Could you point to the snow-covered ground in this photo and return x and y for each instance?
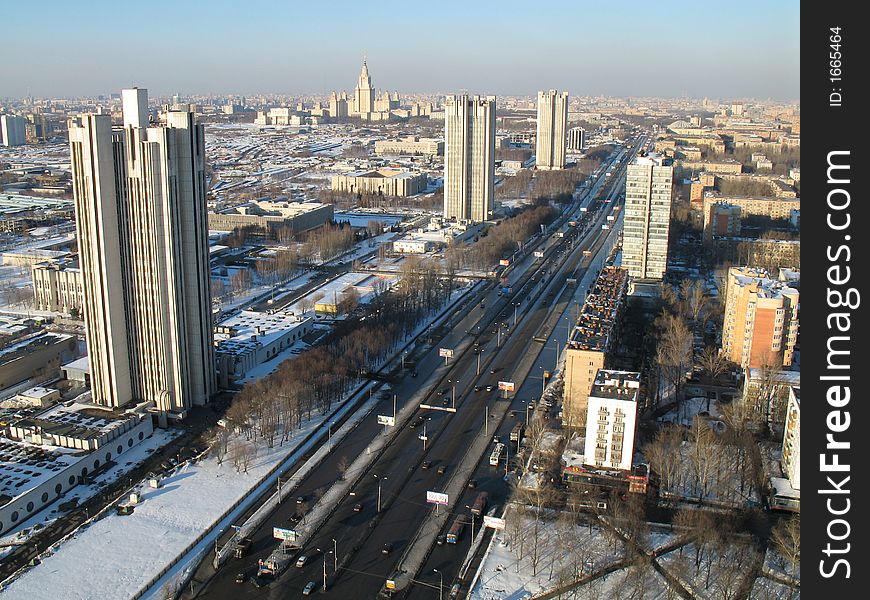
(115, 556)
(129, 460)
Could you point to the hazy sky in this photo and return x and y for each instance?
(738, 49)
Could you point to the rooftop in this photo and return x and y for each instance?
(616, 385)
(598, 315)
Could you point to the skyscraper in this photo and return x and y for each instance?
(364, 94)
(469, 161)
(552, 123)
(13, 129)
(143, 243)
(648, 186)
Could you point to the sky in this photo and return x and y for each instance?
(739, 49)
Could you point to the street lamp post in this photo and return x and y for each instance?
(335, 547)
(478, 352)
(380, 479)
(440, 584)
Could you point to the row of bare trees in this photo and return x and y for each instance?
(501, 240)
(270, 409)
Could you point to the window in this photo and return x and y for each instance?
(14, 516)
(130, 443)
(57, 490)
(141, 436)
(29, 506)
(45, 496)
(72, 479)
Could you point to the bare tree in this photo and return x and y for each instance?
(786, 538)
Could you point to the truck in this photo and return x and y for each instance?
(275, 563)
(480, 503)
(456, 530)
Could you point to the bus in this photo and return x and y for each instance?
(479, 503)
(517, 432)
(456, 530)
(496, 454)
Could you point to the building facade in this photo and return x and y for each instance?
(469, 162)
(268, 216)
(761, 319)
(592, 340)
(410, 146)
(791, 440)
(648, 192)
(385, 182)
(14, 130)
(552, 123)
(143, 252)
(576, 139)
(57, 287)
(611, 419)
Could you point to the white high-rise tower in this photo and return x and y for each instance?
(552, 123)
(648, 187)
(469, 157)
(143, 241)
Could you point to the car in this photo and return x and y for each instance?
(426, 464)
(388, 547)
(241, 577)
(495, 439)
(472, 483)
(512, 413)
(309, 588)
(490, 387)
(492, 371)
(297, 516)
(443, 391)
(357, 507)
(442, 469)
(441, 539)
(258, 582)
(300, 499)
(445, 402)
(477, 388)
(304, 560)
(416, 422)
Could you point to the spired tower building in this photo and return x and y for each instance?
(143, 243)
(364, 94)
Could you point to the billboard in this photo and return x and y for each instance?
(288, 535)
(445, 352)
(506, 386)
(386, 420)
(493, 522)
(437, 498)
(504, 262)
(539, 254)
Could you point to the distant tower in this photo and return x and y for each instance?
(143, 248)
(13, 128)
(552, 123)
(469, 161)
(648, 187)
(364, 94)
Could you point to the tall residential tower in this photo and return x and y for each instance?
(552, 123)
(469, 161)
(648, 186)
(143, 242)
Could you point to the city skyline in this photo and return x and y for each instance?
(238, 54)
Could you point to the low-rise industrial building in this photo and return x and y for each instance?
(382, 182)
(55, 450)
(37, 356)
(413, 146)
(250, 338)
(272, 216)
